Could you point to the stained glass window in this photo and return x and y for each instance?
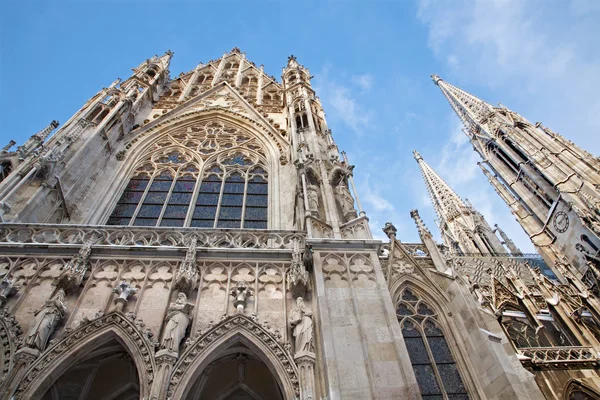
(431, 358)
(171, 188)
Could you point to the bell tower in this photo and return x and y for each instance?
(327, 194)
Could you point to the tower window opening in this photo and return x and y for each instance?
(5, 170)
(586, 240)
(304, 120)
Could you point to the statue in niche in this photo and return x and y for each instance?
(177, 322)
(345, 200)
(45, 321)
(241, 292)
(313, 198)
(301, 323)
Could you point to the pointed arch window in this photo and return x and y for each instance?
(432, 361)
(169, 190)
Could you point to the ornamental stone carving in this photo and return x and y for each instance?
(45, 321)
(345, 201)
(313, 199)
(241, 292)
(74, 271)
(302, 326)
(186, 279)
(7, 289)
(124, 290)
(178, 319)
(298, 278)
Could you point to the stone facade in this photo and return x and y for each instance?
(201, 237)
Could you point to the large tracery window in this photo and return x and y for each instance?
(173, 187)
(430, 356)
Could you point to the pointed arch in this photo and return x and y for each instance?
(91, 334)
(575, 387)
(234, 329)
(10, 333)
(145, 202)
(438, 359)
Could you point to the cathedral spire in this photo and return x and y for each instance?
(470, 109)
(545, 179)
(463, 229)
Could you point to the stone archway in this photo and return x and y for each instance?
(238, 374)
(241, 337)
(115, 333)
(106, 372)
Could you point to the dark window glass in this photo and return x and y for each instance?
(146, 221)
(254, 214)
(202, 223)
(232, 199)
(234, 213)
(208, 199)
(149, 211)
(256, 200)
(160, 185)
(426, 379)
(155, 197)
(131, 197)
(124, 210)
(451, 378)
(180, 198)
(172, 222)
(255, 224)
(137, 184)
(175, 212)
(416, 350)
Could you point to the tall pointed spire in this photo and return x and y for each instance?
(539, 174)
(463, 229)
(470, 109)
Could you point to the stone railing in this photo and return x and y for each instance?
(558, 357)
(418, 250)
(47, 234)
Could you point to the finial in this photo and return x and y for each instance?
(389, 229)
(291, 58)
(236, 50)
(417, 155)
(436, 79)
(169, 52)
(423, 231)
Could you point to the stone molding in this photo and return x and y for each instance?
(55, 234)
(90, 332)
(10, 340)
(207, 342)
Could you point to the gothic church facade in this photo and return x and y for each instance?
(201, 237)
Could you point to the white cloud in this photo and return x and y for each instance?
(365, 81)
(341, 102)
(538, 54)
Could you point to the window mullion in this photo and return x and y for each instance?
(139, 206)
(244, 200)
(220, 198)
(192, 207)
(433, 363)
(166, 203)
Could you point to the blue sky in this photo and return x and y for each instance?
(371, 63)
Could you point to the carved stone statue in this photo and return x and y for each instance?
(45, 321)
(177, 322)
(313, 198)
(301, 322)
(345, 201)
(241, 292)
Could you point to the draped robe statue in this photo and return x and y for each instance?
(313, 197)
(45, 321)
(177, 323)
(345, 200)
(301, 322)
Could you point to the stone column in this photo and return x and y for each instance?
(305, 361)
(165, 360)
(24, 357)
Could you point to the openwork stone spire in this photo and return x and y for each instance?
(447, 204)
(463, 228)
(470, 109)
